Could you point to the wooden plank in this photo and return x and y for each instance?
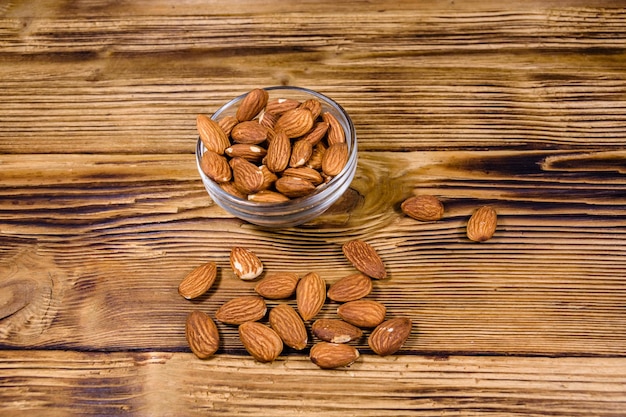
(156, 383)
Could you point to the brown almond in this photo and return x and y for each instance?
(252, 153)
(261, 341)
(295, 122)
(215, 166)
(350, 288)
(202, 334)
(198, 281)
(316, 134)
(227, 123)
(482, 224)
(247, 177)
(211, 134)
(294, 187)
(233, 190)
(306, 173)
(249, 132)
(315, 161)
(310, 295)
(300, 153)
(241, 309)
(286, 321)
(268, 120)
(335, 158)
(268, 196)
(335, 133)
(245, 263)
(313, 105)
(335, 331)
(278, 285)
(423, 208)
(269, 177)
(278, 153)
(278, 106)
(388, 337)
(252, 104)
(333, 355)
(362, 313)
(365, 258)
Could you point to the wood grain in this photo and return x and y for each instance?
(518, 105)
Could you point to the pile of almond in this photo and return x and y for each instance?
(275, 150)
(289, 321)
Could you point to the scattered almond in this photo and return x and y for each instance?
(245, 264)
(289, 326)
(364, 258)
(482, 224)
(310, 295)
(423, 207)
(242, 309)
(350, 288)
(362, 313)
(333, 355)
(277, 286)
(198, 281)
(261, 341)
(388, 337)
(335, 331)
(202, 334)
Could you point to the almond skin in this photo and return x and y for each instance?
(286, 321)
(388, 337)
(202, 334)
(424, 208)
(276, 286)
(333, 355)
(198, 281)
(245, 264)
(482, 225)
(335, 158)
(350, 288)
(262, 342)
(242, 309)
(362, 313)
(335, 331)
(211, 134)
(364, 258)
(310, 295)
(215, 166)
(252, 104)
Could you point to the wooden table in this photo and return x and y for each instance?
(517, 105)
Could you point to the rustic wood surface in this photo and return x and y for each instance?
(519, 105)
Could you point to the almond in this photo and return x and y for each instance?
(335, 158)
(306, 173)
(252, 104)
(241, 309)
(365, 258)
(262, 342)
(198, 281)
(268, 120)
(202, 334)
(388, 337)
(249, 132)
(233, 190)
(333, 355)
(245, 264)
(280, 105)
(252, 153)
(300, 153)
(278, 153)
(278, 285)
(215, 166)
(350, 288)
(482, 225)
(289, 326)
(362, 313)
(313, 105)
(267, 196)
(423, 207)
(247, 177)
(295, 122)
(294, 187)
(335, 133)
(211, 134)
(315, 161)
(227, 123)
(335, 331)
(310, 295)
(316, 134)
(269, 178)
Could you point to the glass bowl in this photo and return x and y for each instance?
(298, 210)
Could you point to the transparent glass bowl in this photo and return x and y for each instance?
(296, 211)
